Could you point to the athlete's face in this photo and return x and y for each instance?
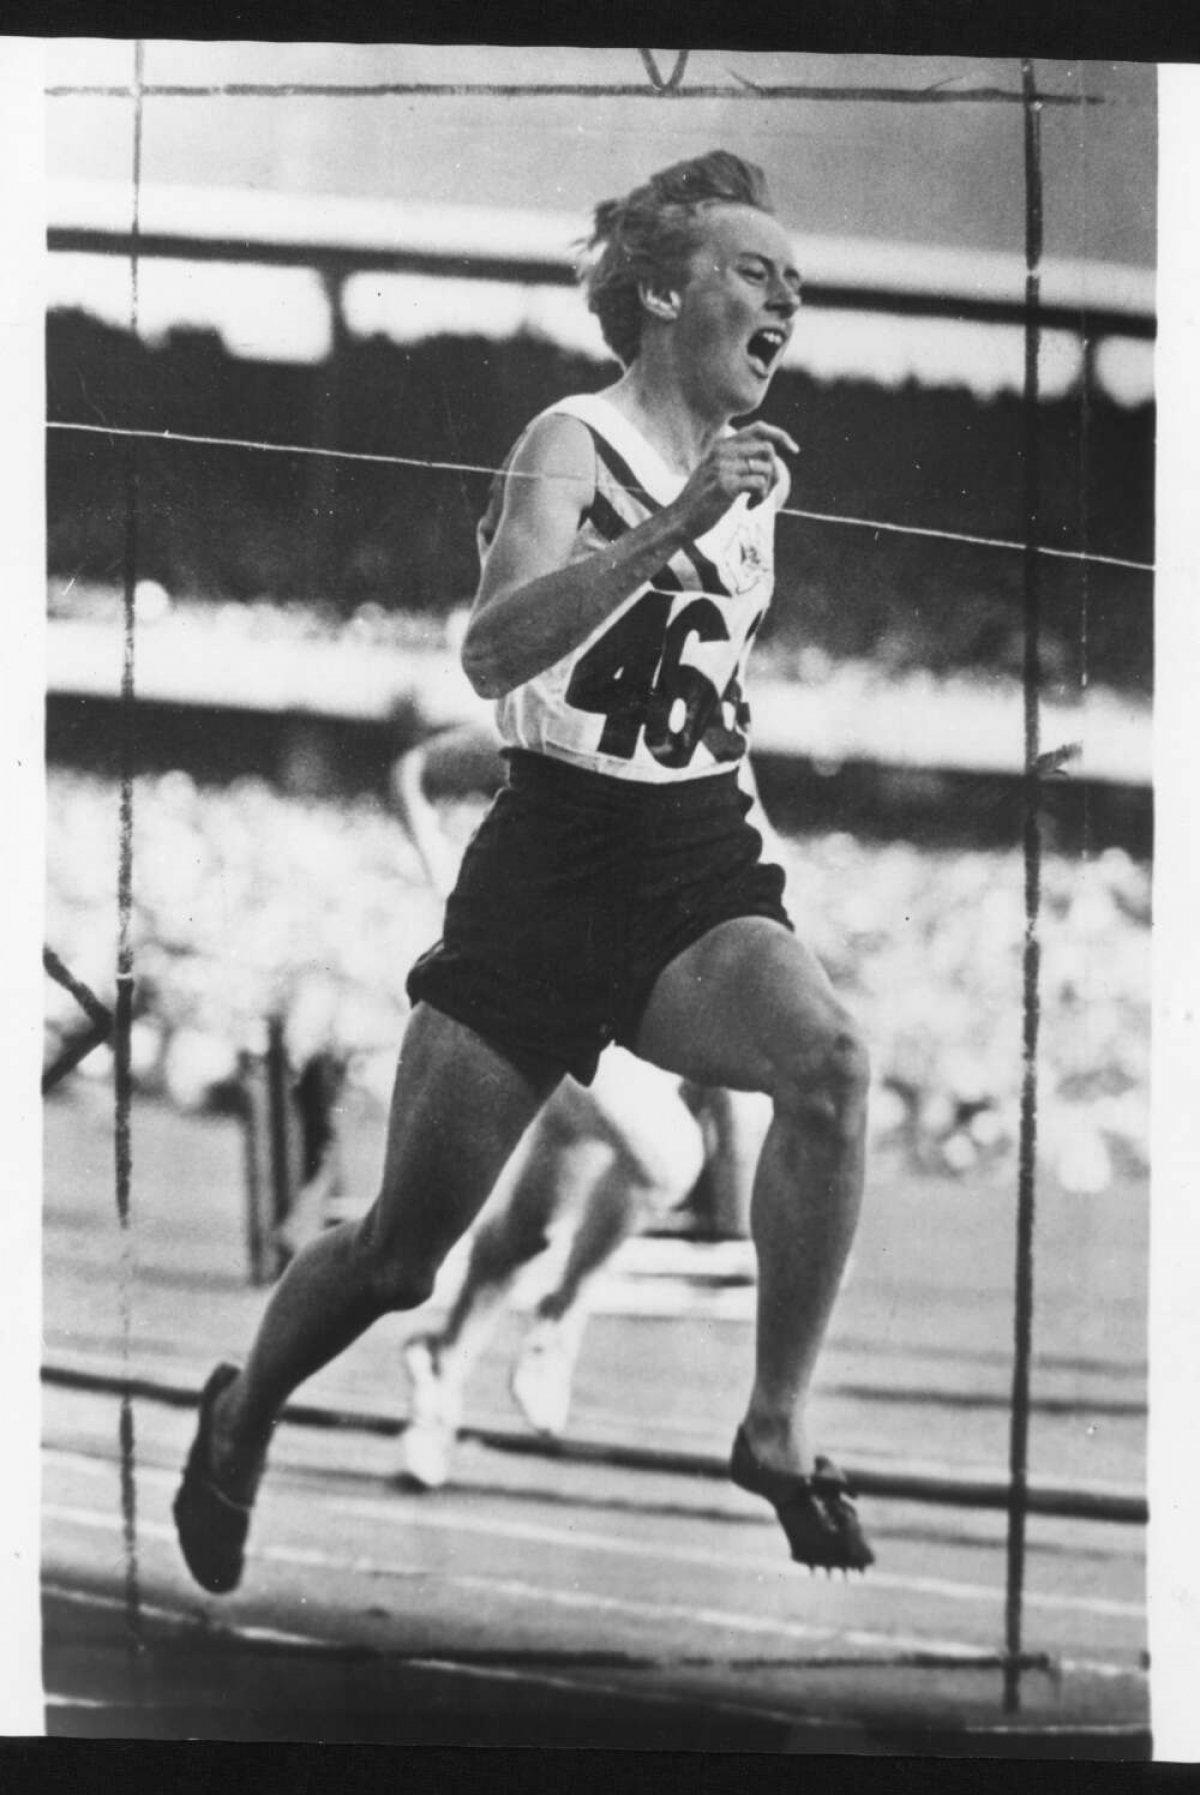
(736, 308)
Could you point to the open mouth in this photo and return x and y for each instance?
(765, 348)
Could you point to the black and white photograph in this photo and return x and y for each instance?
(599, 804)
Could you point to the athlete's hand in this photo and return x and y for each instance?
(744, 462)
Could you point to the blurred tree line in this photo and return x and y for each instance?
(239, 524)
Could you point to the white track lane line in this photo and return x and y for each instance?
(533, 1595)
(387, 1509)
(89, 1598)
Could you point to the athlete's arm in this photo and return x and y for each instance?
(532, 607)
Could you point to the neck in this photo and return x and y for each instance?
(653, 398)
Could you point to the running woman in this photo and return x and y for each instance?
(599, 1163)
(616, 890)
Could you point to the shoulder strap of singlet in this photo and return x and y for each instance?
(587, 408)
(626, 454)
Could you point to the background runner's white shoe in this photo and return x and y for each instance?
(544, 1371)
(427, 1443)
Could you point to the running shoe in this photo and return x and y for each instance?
(816, 1513)
(211, 1525)
(434, 1414)
(544, 1372)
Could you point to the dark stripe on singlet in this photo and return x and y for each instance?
(607, 521)
(624, 475)
(604, 516)
(710, 579)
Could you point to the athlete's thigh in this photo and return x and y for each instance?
(458, 1110)
(739, 1006)
(638, 1109)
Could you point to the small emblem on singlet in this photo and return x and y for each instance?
(746, 563)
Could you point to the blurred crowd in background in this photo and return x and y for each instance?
(249, 903)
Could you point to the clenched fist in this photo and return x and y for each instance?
(744, 462)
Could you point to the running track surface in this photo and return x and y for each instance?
(550, 1600)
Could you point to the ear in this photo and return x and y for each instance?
(660, 302)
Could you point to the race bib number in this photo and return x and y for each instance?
(635, 677)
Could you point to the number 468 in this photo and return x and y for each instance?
(634, 676)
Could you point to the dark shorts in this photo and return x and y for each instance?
(576, 891)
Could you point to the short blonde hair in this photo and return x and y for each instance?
(648, 236)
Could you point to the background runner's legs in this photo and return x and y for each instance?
(597, 1163)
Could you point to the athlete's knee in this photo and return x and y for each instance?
(823, 1080)
(397, 1276)
(401, 1284)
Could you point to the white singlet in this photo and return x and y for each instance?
(655, 692)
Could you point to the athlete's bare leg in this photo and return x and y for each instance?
(748, 1006)
(734, 1126)
(306, 1216)
(556, 1177)
(617, 1206)
(656, 1152)
(458, 1110)
(607, 1158)
(552, 1171)
(653, 1152)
